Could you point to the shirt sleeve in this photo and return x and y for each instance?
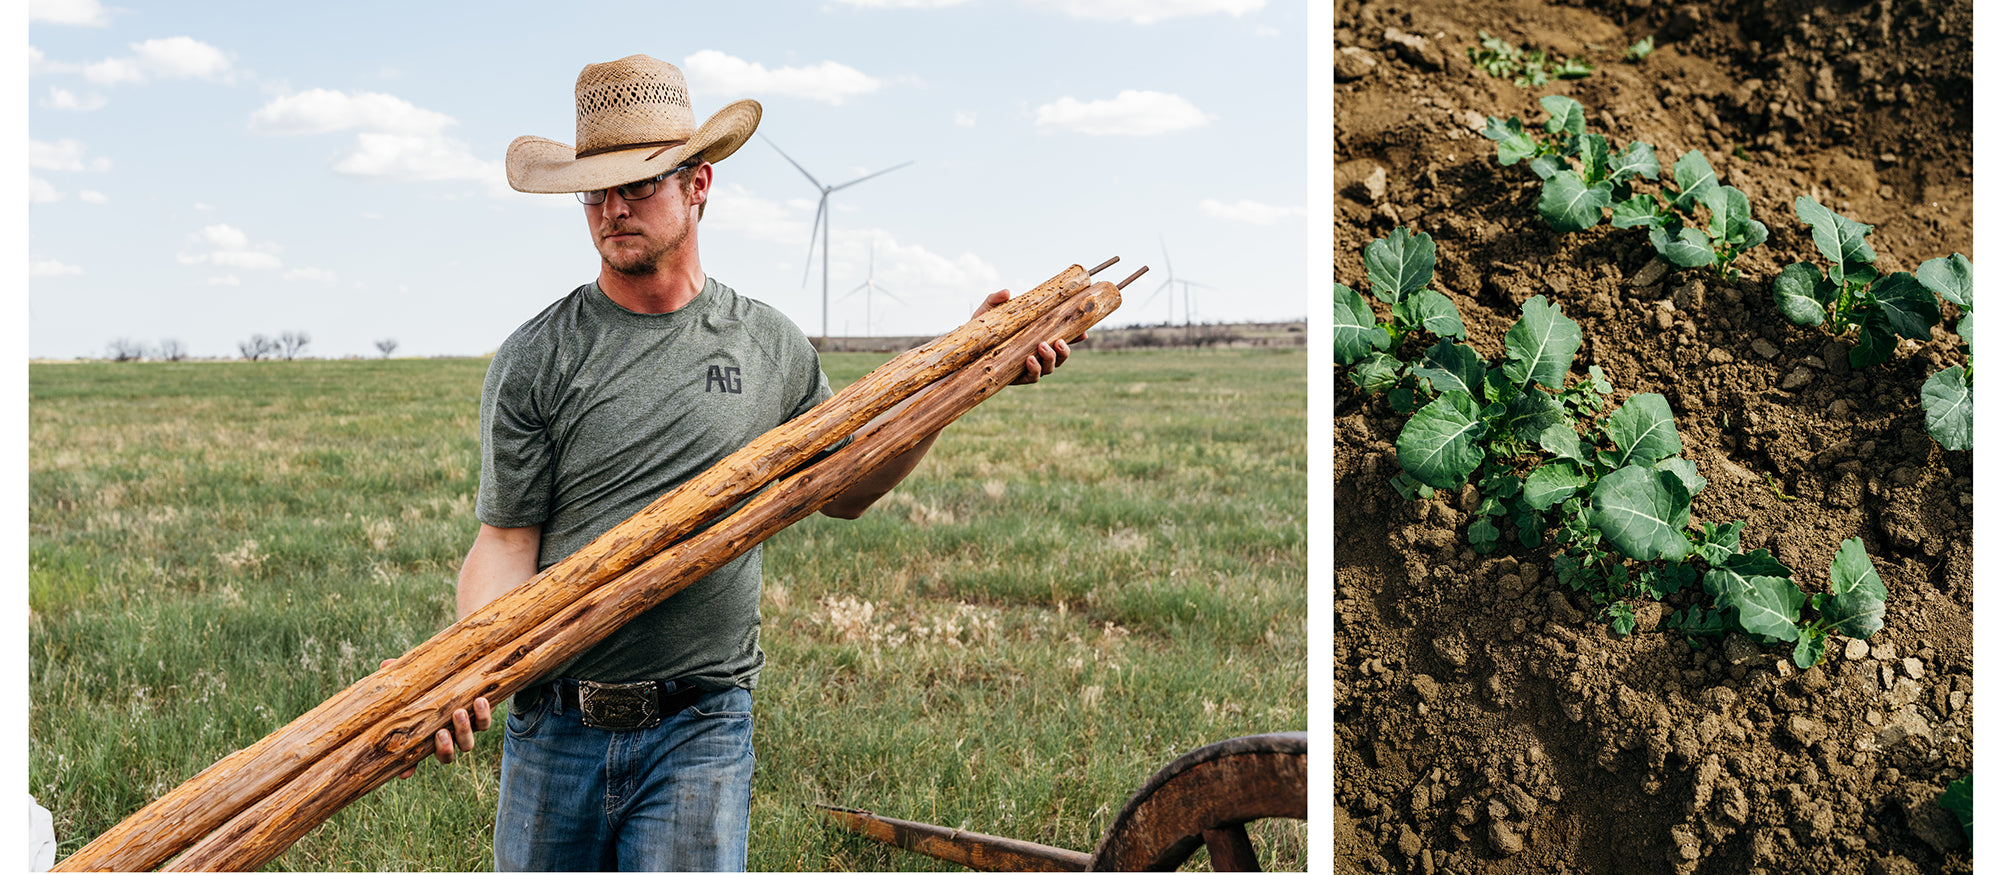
(516, 446)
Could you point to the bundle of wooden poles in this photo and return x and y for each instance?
(253, 804)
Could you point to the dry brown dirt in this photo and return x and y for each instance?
(1486, 722)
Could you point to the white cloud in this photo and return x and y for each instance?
(83, 12)
(398, 156)
(63, 155)
(223, 237)
(312, 274)
(1147, 11)
(712, 72)
(41, 191)
(1132, 113)
(177, 57)
(61, 98)
(180, 57)
(965, 119)
(92, 197)
(53, 268)
(228, 246)
(394, 139)
(112, 71)
(320, 111)
(735, 209)
(1250, 211)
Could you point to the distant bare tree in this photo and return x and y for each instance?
(387, 345)
(291, 343)
(173, 350)
(126, 350)
(257, 347)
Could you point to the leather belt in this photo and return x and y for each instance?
(638, 705)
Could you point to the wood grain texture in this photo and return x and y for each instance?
(256, 802)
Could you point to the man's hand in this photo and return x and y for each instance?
(1046, 358)
(459, 737)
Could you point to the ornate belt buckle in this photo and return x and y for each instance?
(619, 706)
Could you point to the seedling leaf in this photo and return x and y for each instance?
(1355, 333)
(1641, 512)
(1565, 115)
(1839, 238)
(1452, 366)
(1858, 601)
(1637, 211)
(1907, 307)
(1684, 469)
(1570, 204)
(1718, 543)
(1595, 154)
(1802, 293)
(1689, 248)
(1643, 429)
(1947, 398)
(1694, 177)
(1957, 799)
(1533, 414)
(1541, 344)
(1761, 591)
(1439, 446)
(1512, 137)
(1377, 372)
(1551, 483)
(1400, 264)
(1431, 310)
(1950, 277)
(1636, 159)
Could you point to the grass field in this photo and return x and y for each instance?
(1087, 578)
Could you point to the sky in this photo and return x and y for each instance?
(201, 173)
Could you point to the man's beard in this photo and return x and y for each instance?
(645, 262)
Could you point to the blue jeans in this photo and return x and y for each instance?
(673, 798)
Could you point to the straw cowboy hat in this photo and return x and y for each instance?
(633, 121)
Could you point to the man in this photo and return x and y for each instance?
(637, 754)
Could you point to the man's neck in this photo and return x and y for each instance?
(664, 291)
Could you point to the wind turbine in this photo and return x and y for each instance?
(1187, 294)
(869, 284)
(823, 224)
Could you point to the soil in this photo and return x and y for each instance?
(1486, 720)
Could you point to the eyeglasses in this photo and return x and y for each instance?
(632, 191)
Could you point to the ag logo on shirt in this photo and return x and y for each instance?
(725, 379)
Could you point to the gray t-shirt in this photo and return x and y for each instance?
(592, 411)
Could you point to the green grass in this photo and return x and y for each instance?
(1087, 578)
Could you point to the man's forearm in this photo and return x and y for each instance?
(877, 483)
(500, 559)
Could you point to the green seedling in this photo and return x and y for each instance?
(1501, 60)
(1582, 178)
(1947, 395)
(1640, 50)
(1400, 269)
(1850, 297)
(1957, 799)
(1607, 490)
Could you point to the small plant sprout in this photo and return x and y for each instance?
(1640, 49)
(1501, 60)
(1957, 799)
(1606, 488)
(1577, 193)
(1850, 296)
(1400, 269)
(1947, 395)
